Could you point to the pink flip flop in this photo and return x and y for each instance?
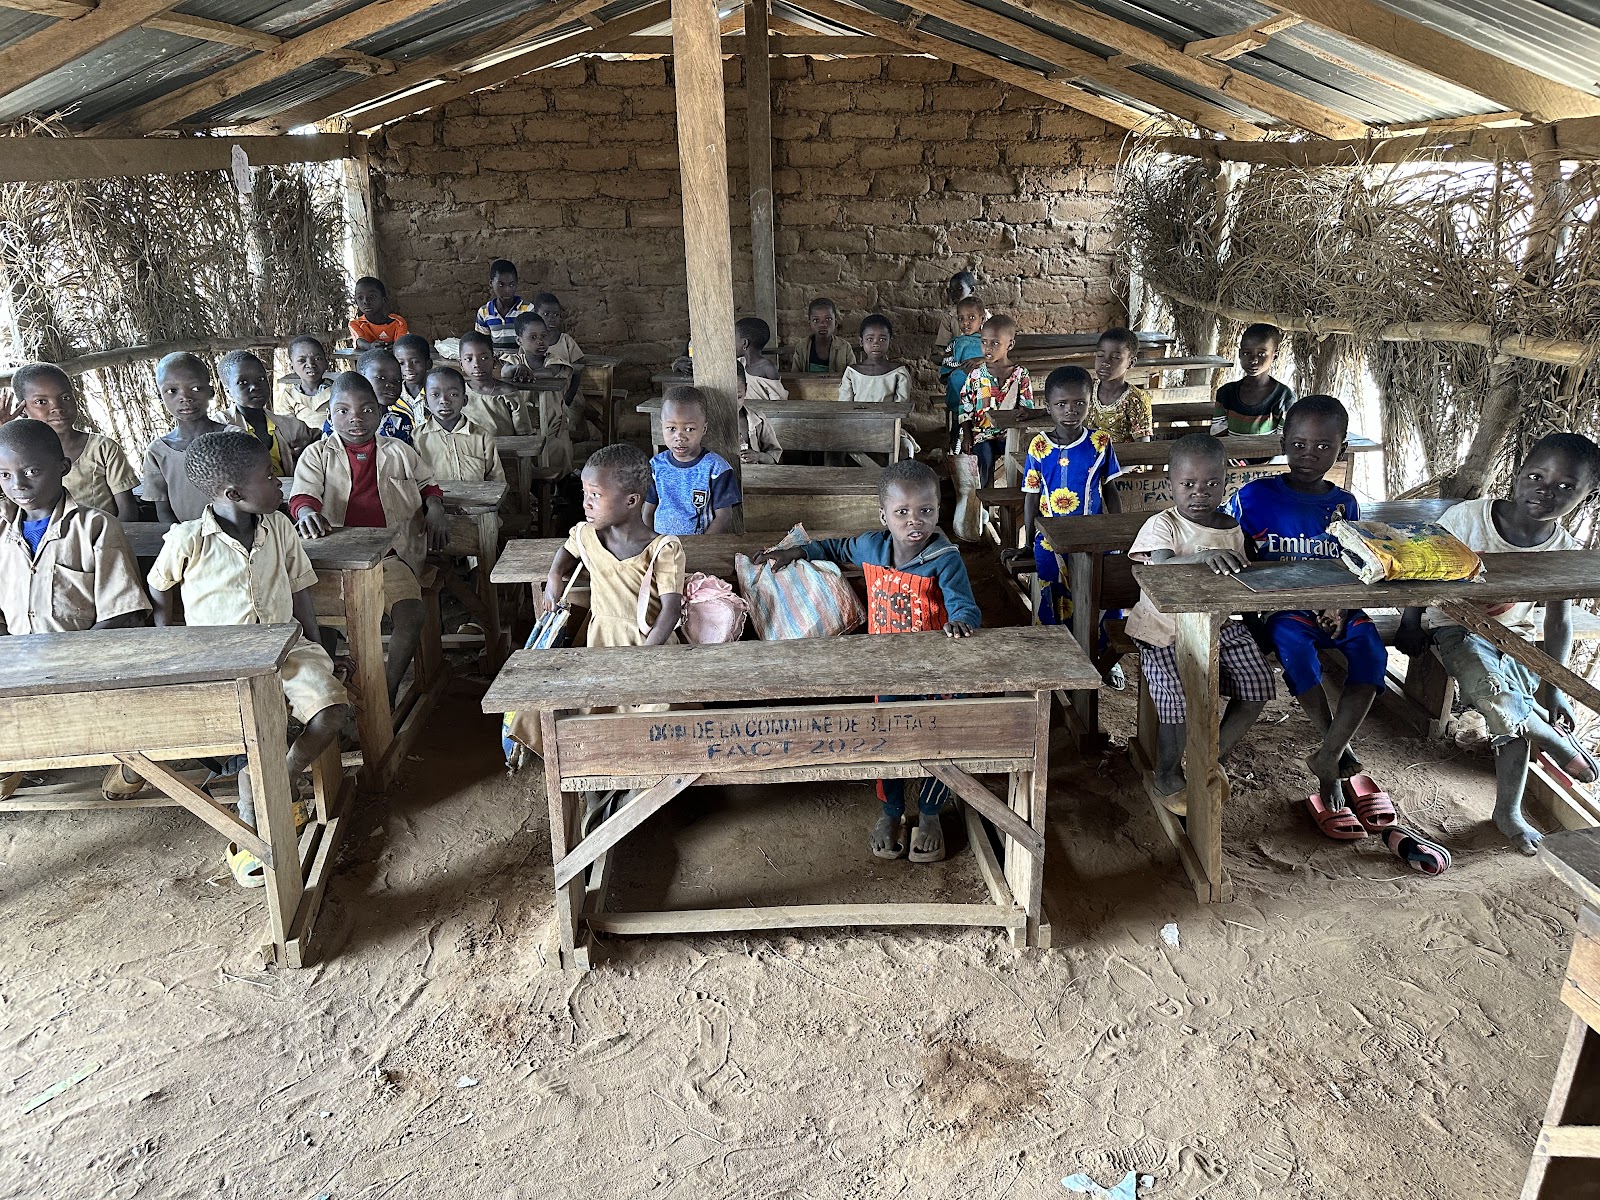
(1373, 806)
(1340, 824)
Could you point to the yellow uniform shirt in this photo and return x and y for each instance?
(99, 473)
(83, 573)
(310, 410)
(466, 452)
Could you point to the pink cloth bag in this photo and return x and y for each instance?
(712, 611)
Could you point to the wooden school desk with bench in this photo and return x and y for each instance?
(819, 425)
(799, 711)
(146, 698)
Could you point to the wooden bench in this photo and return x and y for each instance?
(148, 698)
(822, 425)
(777, 497)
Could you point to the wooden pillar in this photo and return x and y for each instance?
(758, 129)
(356, 176)
(707, 241)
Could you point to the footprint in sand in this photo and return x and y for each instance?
(1197, 1173)
(1276, 1161)
(1113, 1042)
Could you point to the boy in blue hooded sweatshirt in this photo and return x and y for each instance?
(916, 582)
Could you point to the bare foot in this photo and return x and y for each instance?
(886, 841)
(1349, 764)
(927, 839)
(1524, 837)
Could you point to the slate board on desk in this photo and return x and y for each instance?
(1303, 576)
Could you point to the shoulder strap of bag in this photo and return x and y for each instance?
(1013, 389)
(649, 578)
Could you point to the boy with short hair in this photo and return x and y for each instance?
(245, 384)
(449, 441)
(497, 319)
(374, 325)
(916, 582)
(101, 476)
(994, 383)
(241, 563)
(692, 489)
(354, 477)
(1195, 530)
(962, 287)
(1285, 519)
(1121, 408)
(382, 370)
(563, 348)
(1523, 713)
(823, 353)
(185, 386)
(964, 351)
(305, 392)
(750, 338)
(1258, 403)
(492, 402)
(415, 357)
(534, 362)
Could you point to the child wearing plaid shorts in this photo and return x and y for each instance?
(1195, 530)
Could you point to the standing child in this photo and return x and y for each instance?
(750, 338)
(994, 383)
(875, 379)
(692, 489)
(245, 384)
(186, 390)
(1258, 403)
(563, 347)
(491, 401)
(964, 352)
(757, 442)
(1286, 519)
(1121, 408)
(449, 441)
(916, 581)
(241, 563)
(374, 325)
(1195, 530)
(823, 353)
(305, 392)
(353, 477)
(960, 289)
(497, 320)
(101, 476)
(1523, 713)
(1067, 474)
(415, 357)
(382, 370)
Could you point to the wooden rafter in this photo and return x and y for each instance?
(171, 109)
(1136, 46)
(59, 44)
(780, 44)
(1378, 28)
(1076, 63)
(1572, 139)
(445, 65)
(518, 64)
(1246, 41)
(1109, 111)
(42, 159)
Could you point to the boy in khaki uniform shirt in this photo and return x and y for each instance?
(241, 563)
(449, 441)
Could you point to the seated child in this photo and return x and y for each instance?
(245, 384)
(1068, 473)
(750, 338)
(692, 489)
(497, 320)
(964, 352)
(304, 393)
(374, 325)
(916, 581)
(1285, 519)
(186, 390)
(64, 567)
(451, 444)
(1121, 408)
(533, 363)
(994, 383)
(1195, 530)
(1258, 403)
(101, 476)
(563, 348)
(415, 357)
(492, 402)
(823, 353)
(381, 369)
(757, 442)
(353, 477)
(241, 563)
(962, 287)
(1523, 712)
(875, 379)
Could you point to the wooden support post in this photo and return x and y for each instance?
(758, 132)
(707, 240)
(356, 176)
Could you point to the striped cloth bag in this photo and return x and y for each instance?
(804, 600)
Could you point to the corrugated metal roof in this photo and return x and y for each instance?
(1559, 40)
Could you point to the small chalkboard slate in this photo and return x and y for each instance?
(1295, 576)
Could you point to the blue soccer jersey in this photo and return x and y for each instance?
(1286, 525)
(687, 495)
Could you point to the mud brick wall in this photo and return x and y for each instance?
(889, 173)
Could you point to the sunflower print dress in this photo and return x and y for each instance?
(1067, 481)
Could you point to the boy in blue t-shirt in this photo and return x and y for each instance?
(1285, 518)
(692, 489)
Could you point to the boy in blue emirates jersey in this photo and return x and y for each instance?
(1286, 518)
(692, 489)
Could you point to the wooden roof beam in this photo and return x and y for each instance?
(779, 44)
(51, 159)
(1135, 45)
(1076, 63)
(1109, 111)
(71, 38)
(1377, 28)
(1246, 41)
(1576, 138)
(322, 42)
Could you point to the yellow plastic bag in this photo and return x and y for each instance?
(1418, 550)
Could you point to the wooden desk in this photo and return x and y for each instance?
(796, 697)
(521, 454)
(1148, 339)
(1201, 601)
(775, 497)
(146, 698)
(1564, 1166)
(861, 428)
(474, 510)
(527, 560)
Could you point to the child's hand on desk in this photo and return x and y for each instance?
(438, 525)
(1011, 558)
(780, 558)
(958, 629)
(1331, 621)
(313, 525)
(1223, 561)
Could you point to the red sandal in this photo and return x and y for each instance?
(1340, 824)
(1373, 806)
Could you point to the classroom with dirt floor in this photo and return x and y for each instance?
(838, 599)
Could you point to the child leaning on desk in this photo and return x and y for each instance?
(241, 563)
(1522, 712)
(916, 582)
(1195, 530)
